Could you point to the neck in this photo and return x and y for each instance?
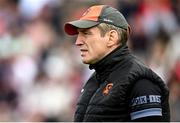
(108, 63)
(111, 49)
(114, 52)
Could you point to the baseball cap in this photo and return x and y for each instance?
(95, 15)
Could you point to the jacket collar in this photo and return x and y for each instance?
(106, 65)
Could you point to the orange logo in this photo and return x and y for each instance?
(107, 88)
(86, 12)
(92, 13)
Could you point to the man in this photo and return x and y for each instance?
(121, 88)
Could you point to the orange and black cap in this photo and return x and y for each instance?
(96, 15)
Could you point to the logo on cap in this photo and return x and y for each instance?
(86, 12)
(107, 20)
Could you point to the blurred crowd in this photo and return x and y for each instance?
(41, 73)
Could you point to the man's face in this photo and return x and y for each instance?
(92, 45)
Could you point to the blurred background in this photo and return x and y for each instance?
(41, 73)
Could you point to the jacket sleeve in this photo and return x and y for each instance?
(145, 101)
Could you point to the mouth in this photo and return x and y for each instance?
(83, 52)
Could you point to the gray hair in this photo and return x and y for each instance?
(122, 33)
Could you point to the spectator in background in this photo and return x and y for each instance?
(157, 55)
(148, 19)
(8, 93)
(174, 86)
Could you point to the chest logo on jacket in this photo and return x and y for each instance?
(107, 89)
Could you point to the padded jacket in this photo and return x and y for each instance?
(110, 94)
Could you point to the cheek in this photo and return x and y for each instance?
(98, 49)
(96, 46)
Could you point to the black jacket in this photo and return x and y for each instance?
(122, 89)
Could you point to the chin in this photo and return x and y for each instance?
(88, 61)
(85, 61)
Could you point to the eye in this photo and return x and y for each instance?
(86, 33)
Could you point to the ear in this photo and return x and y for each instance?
(113, 38)
(128, 31)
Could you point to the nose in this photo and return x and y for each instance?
(79, 40)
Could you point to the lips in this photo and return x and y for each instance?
(83, 52)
